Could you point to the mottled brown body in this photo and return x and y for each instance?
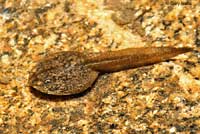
(67, 73)
(62, 73)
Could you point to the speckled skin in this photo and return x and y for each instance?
(62, 74)
(68, 73)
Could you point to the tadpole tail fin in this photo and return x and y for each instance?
(133, 57)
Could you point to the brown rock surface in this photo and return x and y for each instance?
(162, 98)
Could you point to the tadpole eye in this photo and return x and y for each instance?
(47, 81)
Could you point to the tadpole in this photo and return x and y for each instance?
(70, 72)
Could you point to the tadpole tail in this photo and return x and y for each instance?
(132, 58)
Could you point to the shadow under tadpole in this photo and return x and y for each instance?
(57, 98)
